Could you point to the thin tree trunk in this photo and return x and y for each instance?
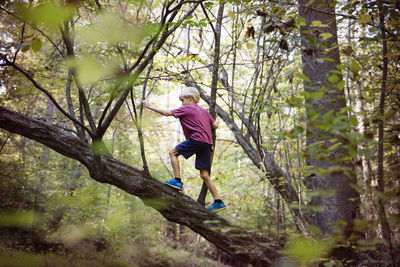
(40, 188)
(367, 195)
(217, 48)
(108, 195)
(381, 182)
(278, 216)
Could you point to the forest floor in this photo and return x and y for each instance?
(23, 248)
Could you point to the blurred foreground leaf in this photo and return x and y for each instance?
(109, 28)
(23, 219)
(88, 69)
(73, 234)
(307, 251)
(48, 13)
(36, 44)
(157, 203)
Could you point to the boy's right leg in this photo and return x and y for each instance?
(186, 149)
(176, 182)
(204, 174)
(218, 203)
(173, 155)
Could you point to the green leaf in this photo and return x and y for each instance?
(353, 120)
(298, 130)
(48, 13)
(295, 101)
(340, 85)
(333, 79)
(317, 208)
(301, 22)
(364, 18)
(157, 203)
(25, 48)
(354, 67)
(325, 35)
(306, 251)
(321, 193)
(302, 76)
(89, 69)
(250, 45)
(36, 44)
(231, 14)
(372, 29)
(328, 59)
(99, 148)
(334, 146)
(317, 95)
(109, 28)
(318, 23)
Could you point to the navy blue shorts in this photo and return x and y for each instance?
(201, 149)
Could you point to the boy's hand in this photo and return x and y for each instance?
(156, 109)
(216, 122)
(146, 103)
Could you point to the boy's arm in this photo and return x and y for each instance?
(161, 111)
(215, 123)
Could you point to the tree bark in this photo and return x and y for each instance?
(344, 204)
(240, 244)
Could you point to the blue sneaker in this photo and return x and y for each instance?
(174, 183)
(217, 206)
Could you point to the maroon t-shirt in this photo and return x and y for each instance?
(196, 122)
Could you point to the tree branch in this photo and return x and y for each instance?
(38, 86)
(82, 97)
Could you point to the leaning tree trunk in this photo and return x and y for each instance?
(331, 167)
(240, 244)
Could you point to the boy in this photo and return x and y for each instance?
(196, 123)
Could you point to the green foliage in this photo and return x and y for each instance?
(49, 13)
(89, 69)
(110, 29)
(306, 251)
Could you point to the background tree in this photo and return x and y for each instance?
(330, 148)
